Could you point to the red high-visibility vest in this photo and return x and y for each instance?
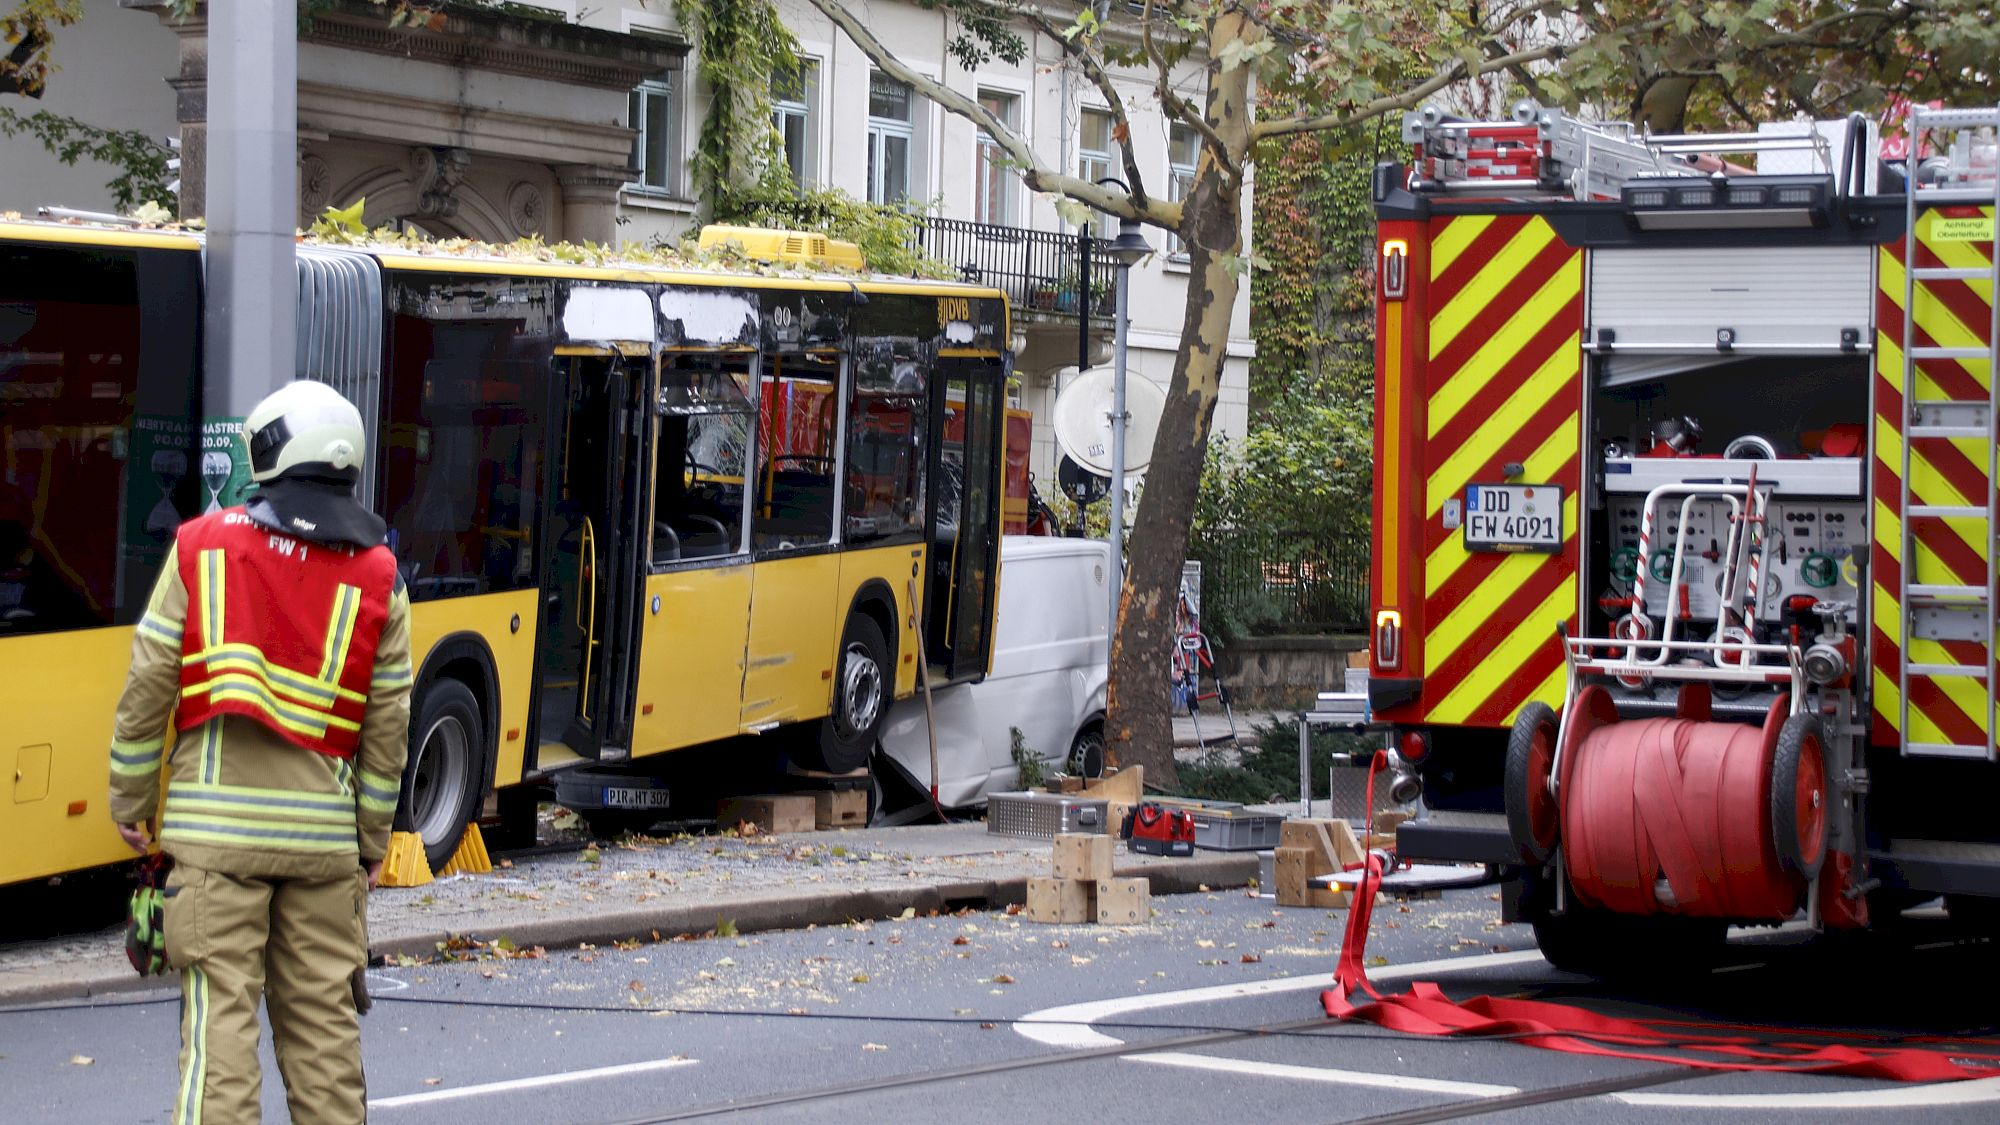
(280, 629)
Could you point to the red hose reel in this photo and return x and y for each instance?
(1682, 815)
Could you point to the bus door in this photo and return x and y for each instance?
(794, 508)
(697, 601)
(592, 574)
(968, 408)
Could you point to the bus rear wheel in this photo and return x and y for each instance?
(863, 687)
(441, 781)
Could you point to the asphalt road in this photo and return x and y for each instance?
(935, 1017)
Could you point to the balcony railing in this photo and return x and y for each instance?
(1041, 271)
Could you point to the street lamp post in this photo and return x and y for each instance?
(1125, 250)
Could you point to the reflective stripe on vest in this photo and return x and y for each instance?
(280, 630)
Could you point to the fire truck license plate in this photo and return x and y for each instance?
(1513, 517)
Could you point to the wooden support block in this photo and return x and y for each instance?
(1060, 901)
(840, 808)
(1127, 785)
(1067, 784)
(1333, 839)
(1082, 856)
(770, 812)
(1124, 902)
(1296, 868)
(1115, 813)
(1390, 820)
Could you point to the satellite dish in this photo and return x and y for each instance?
(1083, 420)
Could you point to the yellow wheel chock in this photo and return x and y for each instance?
(405, 865)
(471, 857)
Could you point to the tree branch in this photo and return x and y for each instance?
(1093, 67)
(1177, 105)
(1409, 98)
(1034, 172)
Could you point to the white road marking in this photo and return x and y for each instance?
(1257, 1069)
(1067, 1026)
(534, 1083)
(1937, 1095)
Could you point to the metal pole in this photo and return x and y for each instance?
(1083, 302)
(1118, 419)
(1305, 766)
(253, 201)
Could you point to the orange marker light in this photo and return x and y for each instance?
(77, 808)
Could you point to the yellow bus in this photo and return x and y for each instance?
(639, 510)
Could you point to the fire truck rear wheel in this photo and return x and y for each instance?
(1598, 943)
(442, 779)
(1531, 809)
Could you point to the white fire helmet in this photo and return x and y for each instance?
(304, 423)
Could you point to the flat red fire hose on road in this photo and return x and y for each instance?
(1426, 1010)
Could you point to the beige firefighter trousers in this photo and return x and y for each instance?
(294, 942)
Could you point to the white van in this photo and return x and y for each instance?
(1049, 670)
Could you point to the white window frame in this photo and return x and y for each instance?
(806, 111)
(666, 86)
(1176, 189)
(985, 150)
(880, 129)
(1093, 165)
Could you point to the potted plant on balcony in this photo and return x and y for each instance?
(1042, 295)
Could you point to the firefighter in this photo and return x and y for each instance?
(280, 630)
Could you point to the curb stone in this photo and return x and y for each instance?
(751, 914)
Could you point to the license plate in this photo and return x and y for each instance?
(1513, 517)
(618, 797)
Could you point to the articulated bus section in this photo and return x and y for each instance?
(638, 511)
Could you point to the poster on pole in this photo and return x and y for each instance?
(225, 463)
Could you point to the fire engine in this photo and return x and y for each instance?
(1684, 521)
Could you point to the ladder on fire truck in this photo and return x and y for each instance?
(1948, 610)
(1545, 152)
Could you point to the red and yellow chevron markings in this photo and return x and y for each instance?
(1947, 471)
(1504, 382)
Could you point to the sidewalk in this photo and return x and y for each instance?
(1214, 726)
(686, 885)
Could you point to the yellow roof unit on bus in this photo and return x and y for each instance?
(795, 246)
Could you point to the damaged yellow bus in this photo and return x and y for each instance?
(640, 509)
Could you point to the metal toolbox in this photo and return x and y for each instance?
(1226, 826)
(1043, 816)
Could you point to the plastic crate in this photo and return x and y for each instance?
(1043, 816)
(1225, 826)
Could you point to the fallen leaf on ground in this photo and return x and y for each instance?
(859, 978)
(908, 913)
(81, 1060)
(1003, 978)
(961, 940)
(432, 1081)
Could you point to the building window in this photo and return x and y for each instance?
(993, 181)
(1094, 160)
(792, 98)
(655, 119)
(892, 135)
(1183, 152)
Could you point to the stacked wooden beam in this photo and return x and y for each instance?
(1082, 888)
(1309, 849)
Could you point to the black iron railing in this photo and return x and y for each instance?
(1259, 581)
(1042, 271)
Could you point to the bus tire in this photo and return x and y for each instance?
(863, 687)
(443, 779)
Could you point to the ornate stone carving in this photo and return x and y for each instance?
(526, 208)
(315, 187)
(438, 173)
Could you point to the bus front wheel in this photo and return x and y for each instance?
(863, 686)
(441, 780)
